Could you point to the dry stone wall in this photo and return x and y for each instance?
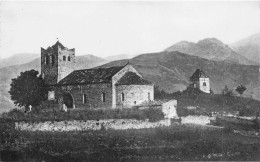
(114, 124)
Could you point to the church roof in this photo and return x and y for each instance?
(90, 76)
(198, 74)
(131, 78)
(58, 44)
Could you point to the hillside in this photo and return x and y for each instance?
(248, 47)
(17, 59)
(7, 73)
(171, 72)
(119, 57)
(212, 49)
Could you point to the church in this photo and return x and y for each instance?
(113, 87)
(200, 80)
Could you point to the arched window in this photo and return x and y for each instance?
(64, 58)
(84, 98)
(204, 84)
(122, 97)
(46, 60)
(52, 60)
(68, 58)
(103, 97)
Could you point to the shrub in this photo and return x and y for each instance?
(153, 114)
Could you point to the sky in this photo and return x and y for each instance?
(111, 28)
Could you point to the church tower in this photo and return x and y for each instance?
(200, 80)
(57, 62)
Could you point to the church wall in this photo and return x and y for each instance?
(65, 67)
(204, 88)
(49, 71)
(133, 94)
(116, 77)
(93, 95)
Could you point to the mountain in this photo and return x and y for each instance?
(248, 47)
(211, 49)
(17, 59)
(7, 73)
(119, 57)
(171, 72)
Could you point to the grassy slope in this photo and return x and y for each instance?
(214, 102)
(178, 142)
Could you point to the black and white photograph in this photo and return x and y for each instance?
(129, 81)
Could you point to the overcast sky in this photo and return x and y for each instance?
(111, 28)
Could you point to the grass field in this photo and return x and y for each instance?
(177, 142)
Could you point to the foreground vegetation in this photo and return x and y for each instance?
(41, 115)
(177, 142)
(211, 102)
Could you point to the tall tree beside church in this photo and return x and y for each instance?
(28, 89)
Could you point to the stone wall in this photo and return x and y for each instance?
(203, 88)
(133, 94)
(49, 71)
(201, 120)
(116, 77)
(115, 124)
(65, 67)
(93, 95)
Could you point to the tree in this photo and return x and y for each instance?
(28, 89)
(227, 92)
(241, 89)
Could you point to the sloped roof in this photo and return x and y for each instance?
(58, 44)
(131, 78)
(90, 76)
(198, 74)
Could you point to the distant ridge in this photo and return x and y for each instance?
(212, 49)
(248, 47)
(17, 59)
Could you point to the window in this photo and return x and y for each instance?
(64, 58)
(149, 96)
(52, 60)
(204, 84)
(46, 60)
(68, 58)
(103, 97)
(122, 97)
(84, 98)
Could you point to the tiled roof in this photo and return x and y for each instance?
(90, 76)
(198, 74)
(131, 78)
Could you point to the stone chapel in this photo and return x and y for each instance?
(200, 80)
(113, 87)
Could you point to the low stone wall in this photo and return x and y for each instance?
(116, 124)
(201, 120)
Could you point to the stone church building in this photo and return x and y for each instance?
(200, 80)
(113, 87)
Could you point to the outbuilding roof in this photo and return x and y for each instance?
(198, 74)
(91, 76)
(131, 78)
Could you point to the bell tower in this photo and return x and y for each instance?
(57, 62)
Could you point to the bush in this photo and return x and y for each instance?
(153, 114)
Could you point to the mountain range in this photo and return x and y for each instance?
(248, 47)
(169, 69)
(211, 49)
(18, 59)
